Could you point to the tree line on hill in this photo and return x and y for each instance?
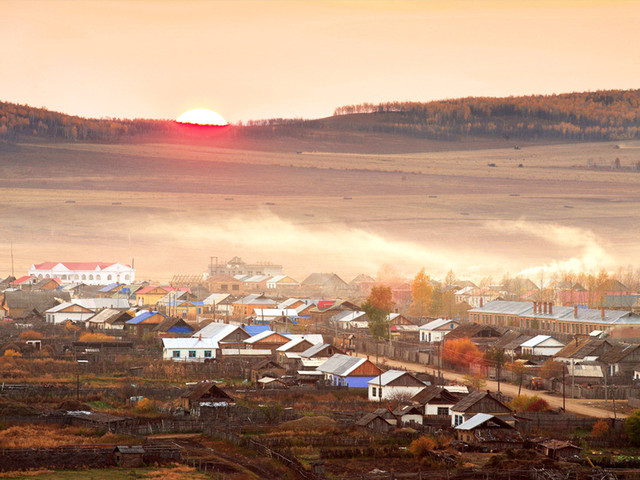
(600, 115)
(590, 116)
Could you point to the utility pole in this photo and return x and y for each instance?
(563, 392)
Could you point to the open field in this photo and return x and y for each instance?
(173, 206)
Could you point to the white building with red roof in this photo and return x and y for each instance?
(89, 273)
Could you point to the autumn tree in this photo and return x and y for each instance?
(436, 304)
(421, 293)
(378, 306)
(450, 279)
(600, 429)
(551, 369)
(462, 353)
(529, 403)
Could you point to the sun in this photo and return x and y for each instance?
(202, 116)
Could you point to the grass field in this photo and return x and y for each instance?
(172, 206)
(177, 472)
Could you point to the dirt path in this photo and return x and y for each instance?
(579, 407)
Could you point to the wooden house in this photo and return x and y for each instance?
(380, 421)
(266, 368)
(224, 284)
(269, 383)
(436, 330)
(109, 319)
(355, 372)
(19, 304)
(620, 362)
(267, 340)
(143, 323)
(128, 456)
(394, 385)
(408, 415)
(488, 432)
(559, 450)
(477, 402)
(151, 295)
(173, 326)
(244, 307)
(435, 400)
(203, 393)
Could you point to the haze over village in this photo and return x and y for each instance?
(320, 240)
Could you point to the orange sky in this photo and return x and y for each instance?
(260, 59)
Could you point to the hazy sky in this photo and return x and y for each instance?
(261, 59)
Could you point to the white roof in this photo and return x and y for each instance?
(215, 298)
(473, 422)
(93, 304)
(435, 324)
(275, 312)
(585, 370)
(192, 343)
(313, 338)
(456, 388)
(269, 380)
(387, 377)
(216, 331)
(257, 278)
(262, 335)
(537, 340)
(312, 362)
(341, 365)
(310, 372)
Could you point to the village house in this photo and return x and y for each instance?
(354, 372)
(436, 330)
(620, 362)
(225, 335)
(542, 346)
(585, 349)
(267, 340)
(19, 304)
(218, 306)
(288, 353)
(203, 394)
(477, 402)
(408, 415)
(89, 273)
(26, 282)
(224, 284)
(151, 295)
(189, 349)
(401, 328)
(281, 282)
(435, 400)
(172, 326)
(267, 316)
(324, 284)
(109, 319)
(380, 421)
(394, 385)
(559, 449)
(488, 432)
(81, 309)
(245, 306)
(349, 320)
(266, 368)
(143, 323)
(325, 309)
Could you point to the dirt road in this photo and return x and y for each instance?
(579, 407)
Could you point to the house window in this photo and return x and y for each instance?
(109, 277)
(127, 277)
(176, 354)
(235, 287)
(458, 420)
(224, 286)
(192, 354)
(374, 392)
(443, 411)
(207, 354)
(199, 310)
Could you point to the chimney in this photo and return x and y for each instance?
(550, 308)
(602, 313)
(200, 337)
(575, 311)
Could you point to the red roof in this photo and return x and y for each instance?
(23, 279)
(76, 265)
(322, 304)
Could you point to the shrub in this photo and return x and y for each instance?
(9, 352)
(30, 335)
(600, 429)
(421, 447)
(632, 428)
(526, 403)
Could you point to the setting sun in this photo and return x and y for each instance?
(202, 116)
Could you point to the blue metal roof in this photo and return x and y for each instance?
(256, 329)
(181, 330)
(110, 287)
(141, 317)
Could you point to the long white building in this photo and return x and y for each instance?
(89, 273)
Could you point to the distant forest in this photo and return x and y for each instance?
(592, 116)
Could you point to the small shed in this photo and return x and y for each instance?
(374, 422)
(128, 456)
(559, 450)
(203, 393)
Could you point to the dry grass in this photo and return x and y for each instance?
(45, 436)
(308, 425)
